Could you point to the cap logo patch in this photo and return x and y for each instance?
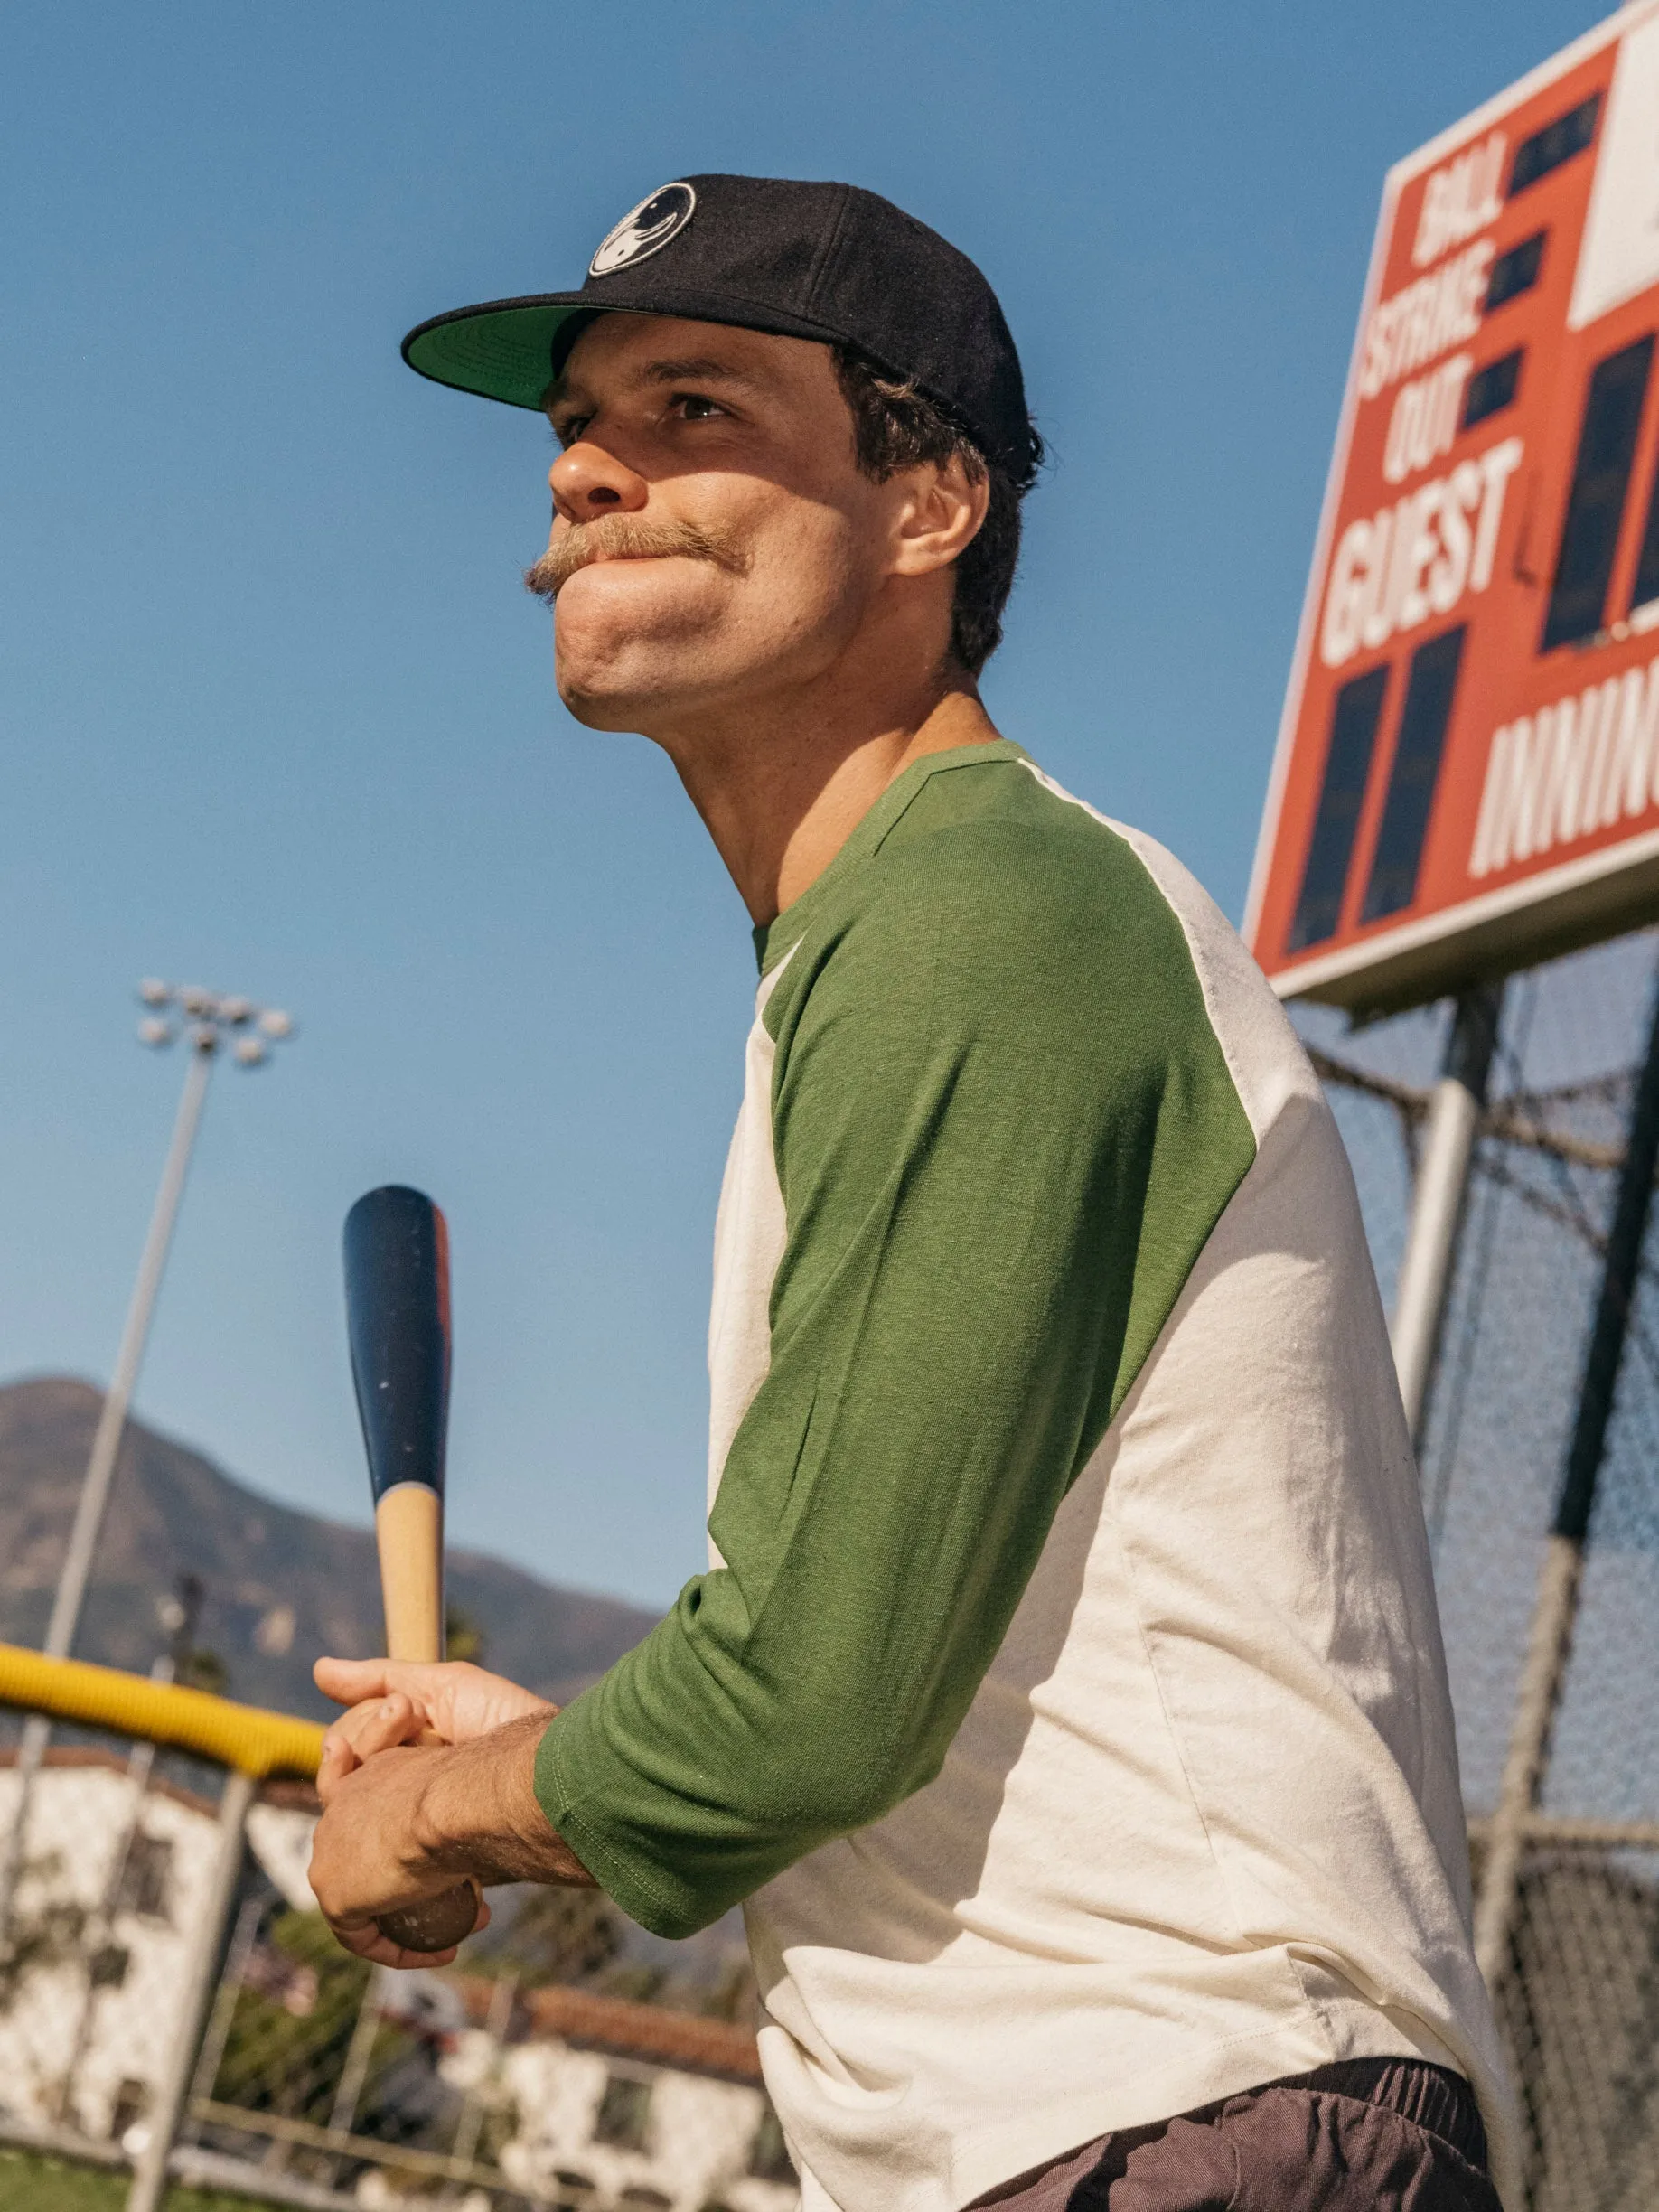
(645, 229)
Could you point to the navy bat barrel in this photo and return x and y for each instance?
(396, 1272)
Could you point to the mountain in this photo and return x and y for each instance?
(281, 1586)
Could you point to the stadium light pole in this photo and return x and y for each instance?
(208, 1022)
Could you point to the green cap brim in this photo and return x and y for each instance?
(501, 350)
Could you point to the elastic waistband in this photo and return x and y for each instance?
(1431, 2096)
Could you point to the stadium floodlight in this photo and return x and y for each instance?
(211, 1015)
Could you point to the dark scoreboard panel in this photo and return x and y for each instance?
(1467, 772)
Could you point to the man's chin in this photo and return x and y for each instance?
(627, 682)
(608, 697)
(597, 710)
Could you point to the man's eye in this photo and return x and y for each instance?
(695, 407)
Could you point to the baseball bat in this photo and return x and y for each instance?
(397, 1279)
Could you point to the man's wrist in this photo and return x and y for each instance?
(478, 1813)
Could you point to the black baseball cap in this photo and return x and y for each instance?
(825, 261)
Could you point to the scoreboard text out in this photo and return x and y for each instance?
(1468, 773)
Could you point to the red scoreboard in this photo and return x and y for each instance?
(1467, 772)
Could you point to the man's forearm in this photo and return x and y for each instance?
(478, 1815)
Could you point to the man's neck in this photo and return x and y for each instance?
(781, 802)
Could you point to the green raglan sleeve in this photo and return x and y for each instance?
(1003, 1130)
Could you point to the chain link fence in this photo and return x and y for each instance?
(475, 2089)
(535, 2075)
(1578, 1987)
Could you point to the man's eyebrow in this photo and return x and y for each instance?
(695, 369)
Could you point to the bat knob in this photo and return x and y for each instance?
(436, 1923)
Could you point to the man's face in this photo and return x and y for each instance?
(713, 541)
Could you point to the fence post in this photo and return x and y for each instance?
(1555, 1609)
(167, 2106)
(218, 2032)
(1442, 1182)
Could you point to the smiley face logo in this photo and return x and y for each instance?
(645, 229)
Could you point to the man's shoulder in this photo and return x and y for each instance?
(996, 838)
(996, 906)
(993, 892)
(983, 789)
(1004, 870)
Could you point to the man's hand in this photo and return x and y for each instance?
(402, 1821)
(395, 1701)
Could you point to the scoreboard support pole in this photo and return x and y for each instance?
(1454, 1110)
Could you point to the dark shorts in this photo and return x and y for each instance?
(1365, 2135)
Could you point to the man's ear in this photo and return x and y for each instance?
(938, 516)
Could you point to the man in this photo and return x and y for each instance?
(1065, 1701)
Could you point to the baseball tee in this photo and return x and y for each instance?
(1065, 1699)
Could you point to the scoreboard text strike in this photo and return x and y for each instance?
(1468, 773)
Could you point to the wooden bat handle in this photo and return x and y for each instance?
(409, 1534)
(408, 1529)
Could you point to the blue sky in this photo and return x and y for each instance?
(277, 718)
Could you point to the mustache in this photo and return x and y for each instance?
(625, 536)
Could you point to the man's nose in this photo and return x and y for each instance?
(588, 482)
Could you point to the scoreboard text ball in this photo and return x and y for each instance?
(1467, 772)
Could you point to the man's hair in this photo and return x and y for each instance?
(897, 427)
